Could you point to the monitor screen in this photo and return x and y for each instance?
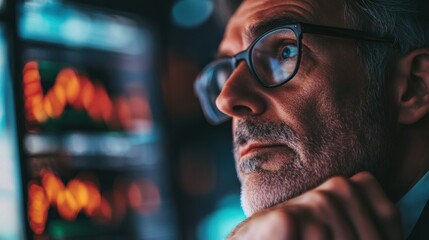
(11, 204)
(93, 141)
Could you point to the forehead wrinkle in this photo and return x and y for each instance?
(277, 15)
(251, 12)
(257, 29)
(304, 8)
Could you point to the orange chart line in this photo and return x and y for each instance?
(70, 88)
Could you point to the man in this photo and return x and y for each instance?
(330, 107)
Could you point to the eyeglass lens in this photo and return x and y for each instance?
(274, 60)
(275, 56)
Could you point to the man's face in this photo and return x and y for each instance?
(326, 121)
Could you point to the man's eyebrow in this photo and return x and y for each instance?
(257, 29)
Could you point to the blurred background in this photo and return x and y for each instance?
(101, 134)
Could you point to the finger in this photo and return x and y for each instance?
(328, 210)
(308, 223)
(239, 230)
(276, 224)
(386, 213)
(315, 230)
(350, 201)
(279, 225)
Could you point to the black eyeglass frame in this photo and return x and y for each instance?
(299, 28)
(215, 116)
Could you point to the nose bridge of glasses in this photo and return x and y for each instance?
(241, 56)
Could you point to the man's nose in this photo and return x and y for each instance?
(241, 95)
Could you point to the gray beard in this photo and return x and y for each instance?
(342, 146)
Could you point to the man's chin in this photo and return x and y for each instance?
(259, 192)
(262, 187)
(250, 206)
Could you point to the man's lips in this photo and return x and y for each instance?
(256, 147)
(266, 156)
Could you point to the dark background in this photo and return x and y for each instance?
(204, 185)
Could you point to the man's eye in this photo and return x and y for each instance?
(289, 51)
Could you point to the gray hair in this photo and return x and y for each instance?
(406, 21)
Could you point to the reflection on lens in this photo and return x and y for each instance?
(222, 76)
(209, 85)
(281, 70)
(275, 57)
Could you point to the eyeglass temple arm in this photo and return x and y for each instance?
(344, 33)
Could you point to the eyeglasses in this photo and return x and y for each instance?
(273, 59)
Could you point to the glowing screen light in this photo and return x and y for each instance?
(2, 4)
(191, 13)
(57, 22)
(11, 223)
(222, 221)
(83, 195)
(80, 93)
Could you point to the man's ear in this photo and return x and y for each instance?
(413, 87)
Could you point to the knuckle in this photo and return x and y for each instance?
(279, 217)
(337, 182)
(277, 223)
(365, 176)
(318, 231)
(319, 199)
(342, 185)
(389, 211)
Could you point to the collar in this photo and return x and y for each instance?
(412, 204)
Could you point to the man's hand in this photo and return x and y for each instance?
(340, 208)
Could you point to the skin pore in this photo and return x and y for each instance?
(327, 121)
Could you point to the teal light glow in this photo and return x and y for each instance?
(222, 221)
(2, 4)
(11, 222)
(68, 25)
(192, 13)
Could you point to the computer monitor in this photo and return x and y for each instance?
(94, 139)
(11, 203)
